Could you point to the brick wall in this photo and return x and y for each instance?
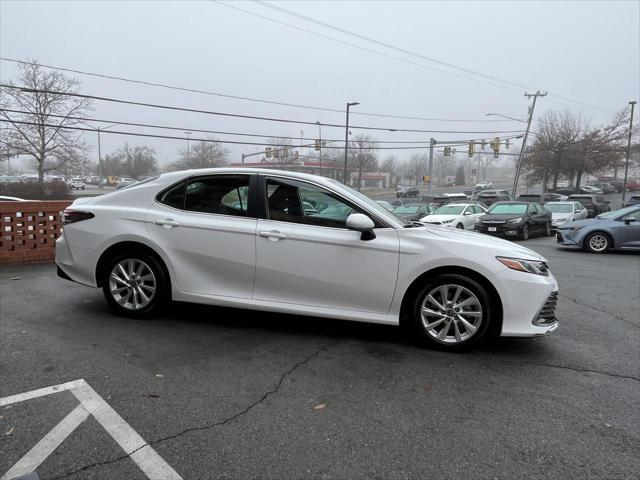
(29, 230)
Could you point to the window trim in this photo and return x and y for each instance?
(251, 199)
(264, 212)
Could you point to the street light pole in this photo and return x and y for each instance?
(626, 163)
(320, 138)
(524, 140)
(346, 140)
(188, 134)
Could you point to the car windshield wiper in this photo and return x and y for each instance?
(413, 224)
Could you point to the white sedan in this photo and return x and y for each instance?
(458, 215)
(565, 212)
(241, 237)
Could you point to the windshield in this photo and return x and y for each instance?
(559, 207)
(509, 208)
(618, 213)
(407, 209)
(449, 210)
(372, 204)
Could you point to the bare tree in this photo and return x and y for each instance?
(41, 110)
(362, 155)
(135, 162)
(203, 154)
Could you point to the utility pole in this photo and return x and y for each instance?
(319, 138)
(188, 134)
(346, 140)
(526, 136)
(432, 143)
(626, 163)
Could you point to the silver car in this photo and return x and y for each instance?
(563, 213)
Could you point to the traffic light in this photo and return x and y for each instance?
(507, 144)
(447, 151)
(267, 152)
(295, 154)
(495, 145)
(318, 145)
(471, 149)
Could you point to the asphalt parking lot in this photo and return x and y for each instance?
(221, 393)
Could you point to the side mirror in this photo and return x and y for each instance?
(467, 213)
(628, 220)
(361, 223)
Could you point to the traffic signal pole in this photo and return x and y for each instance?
(524, 140)
(432, 143)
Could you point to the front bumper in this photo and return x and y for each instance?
(563, 236)
(500, 229)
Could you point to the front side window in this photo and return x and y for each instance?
(299, 202)
(219, 194)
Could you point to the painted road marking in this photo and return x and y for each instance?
(144, 456)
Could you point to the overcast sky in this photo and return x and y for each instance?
(588, 52)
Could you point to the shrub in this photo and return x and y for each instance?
(56, 190)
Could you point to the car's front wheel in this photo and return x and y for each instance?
(524, 233)
(597, 242)
(134, 284)
(547, 230)
(451, 312)
(460, 226)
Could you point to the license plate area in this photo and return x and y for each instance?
(492, 229)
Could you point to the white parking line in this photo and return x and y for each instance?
(45, 447)
(143, 455)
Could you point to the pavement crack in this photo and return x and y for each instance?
(560, 367)
(600, 311)
(219, 423)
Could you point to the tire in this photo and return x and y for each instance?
(451, 328)
(524, 233)
(147, 293)
(547, 230)
(597, 242)
(460, 226)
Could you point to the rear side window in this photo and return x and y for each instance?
(219, 194)
(174, 196)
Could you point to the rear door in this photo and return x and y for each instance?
(206, 228)
(314, 259)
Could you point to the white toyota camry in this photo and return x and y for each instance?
(458, 215)
(297, 243)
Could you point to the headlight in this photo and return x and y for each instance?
(515, 220)
(448, 221)
(528, 266)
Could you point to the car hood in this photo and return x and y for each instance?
(498, 246)
(504, 216)
(439, 218)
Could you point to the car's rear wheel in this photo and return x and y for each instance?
(547, 230)
(134, 284)
(597, 242)
(524, 233)
(451, 312)
(460, 226)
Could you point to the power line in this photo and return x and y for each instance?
(249, 99)
(508, 83)
(250, 117)
(199, 130)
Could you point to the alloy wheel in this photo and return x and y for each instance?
(132, 284)
(451, 313)
(598, 242)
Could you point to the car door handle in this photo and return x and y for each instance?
(273, 235)
(166, 222)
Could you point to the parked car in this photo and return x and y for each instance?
(596, 204)
(180, 236)
(125, 182)
(77, 184)
(563, 213)
(489, 197)
(386, 205)
(633, 185)
(405, 192)
(593, 190)
(541, 198)
(604, 186)
(458, 215)
(459, 196)
(632, 200)
(516, 219)
(412, 212)
(617, 230)
(616, 184)
(563, 184)
(484, 185)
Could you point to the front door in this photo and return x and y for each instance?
(305, 255)
(629, 233)
(203, 226)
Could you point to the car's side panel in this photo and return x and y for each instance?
(326, 267)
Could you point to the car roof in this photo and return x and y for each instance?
(513, 202)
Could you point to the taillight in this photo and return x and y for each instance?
(73, 216)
